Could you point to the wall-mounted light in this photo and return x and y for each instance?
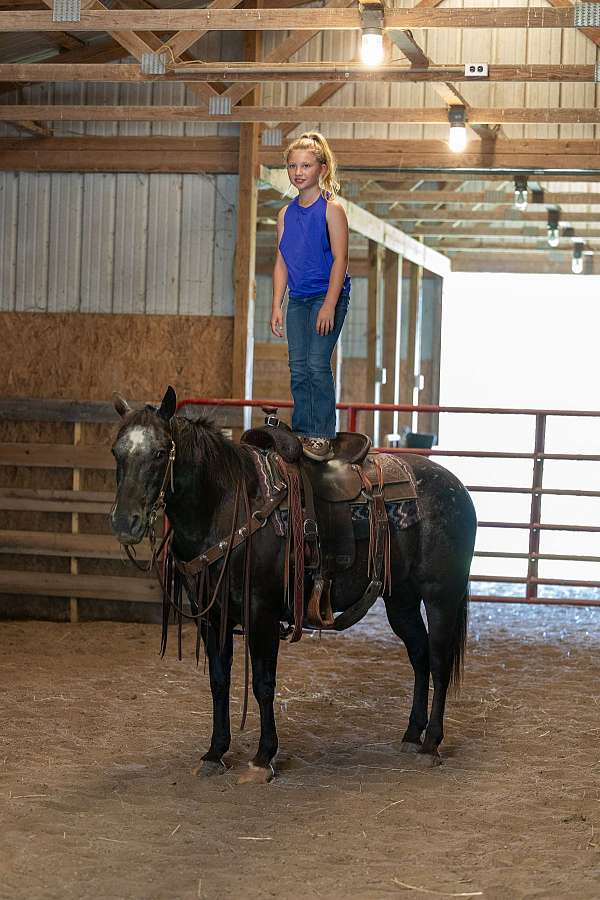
(553, 227)
(371, 44)
(521, 192)
(457, 137)
(577, 260)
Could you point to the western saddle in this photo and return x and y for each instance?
(323, 502)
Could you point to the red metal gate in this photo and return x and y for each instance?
(536, 490)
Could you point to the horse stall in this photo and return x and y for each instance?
(141, 176)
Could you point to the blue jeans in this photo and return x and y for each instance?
(313, 389)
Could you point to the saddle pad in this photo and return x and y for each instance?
(400, 515)
(338, 481)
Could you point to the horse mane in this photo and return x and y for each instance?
(200, 442)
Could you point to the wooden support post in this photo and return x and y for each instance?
(431, 348)
(374, 323)
(390, 389)
(410, 362)
(74, 568)
(245, 252)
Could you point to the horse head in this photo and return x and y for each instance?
(143, 453)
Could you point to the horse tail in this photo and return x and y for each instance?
(460, 640)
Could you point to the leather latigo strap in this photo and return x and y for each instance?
(295, 541)
(217, 552)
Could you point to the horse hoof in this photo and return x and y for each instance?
(409, 747)
(256, 775)
(209, 768)
(428, 760)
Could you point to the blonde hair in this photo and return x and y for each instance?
(317, 144)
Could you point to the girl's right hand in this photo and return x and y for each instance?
(277, 322)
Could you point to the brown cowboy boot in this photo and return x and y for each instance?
(317, 449)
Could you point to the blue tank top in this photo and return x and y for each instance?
(306, 249)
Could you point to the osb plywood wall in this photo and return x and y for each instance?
(86, 357)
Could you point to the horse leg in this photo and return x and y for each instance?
(407, 622)
(219, 668)
(264, 646)
(445, 636)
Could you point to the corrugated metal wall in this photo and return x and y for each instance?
(122, 243)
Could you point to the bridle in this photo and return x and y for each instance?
(159, 503)
(157, 508)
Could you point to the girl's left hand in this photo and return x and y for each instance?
(325, 318)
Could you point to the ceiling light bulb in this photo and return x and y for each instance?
(553, 236)
(577, 261)
(521, 200)
(457, 138)
(371, 48)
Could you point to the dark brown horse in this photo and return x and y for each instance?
(429, 561)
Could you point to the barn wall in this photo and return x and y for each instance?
(153, 251)
(117, 243)
(86, 357)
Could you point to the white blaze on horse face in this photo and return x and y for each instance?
(139, 439)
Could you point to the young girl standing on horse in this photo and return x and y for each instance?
(312, 261)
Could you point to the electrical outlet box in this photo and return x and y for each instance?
(476, 70)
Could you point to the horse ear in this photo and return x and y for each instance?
(120, 403)
(168, 405)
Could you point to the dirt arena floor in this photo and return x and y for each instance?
(99, 736)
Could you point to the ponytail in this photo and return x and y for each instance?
(314, 141)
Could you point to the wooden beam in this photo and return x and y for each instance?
(410, 364)
(345, 72)
(539, 156)
(299, 114)
(312, 71)
(392, 309)
(374, 332)
(31, 127)
(287, 19)
(500, 262)
(384, 159)
(532, 232)
(499, 214)
(458, 246)
(397, 179)
(106, 587)
(369, 226)
(245, 251)
(431, 351)
(216, 155)
(471, 198)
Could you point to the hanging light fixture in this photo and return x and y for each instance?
(577, 260)
(553, 227)
(521, 192)
(371, 44)
(457, 137)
